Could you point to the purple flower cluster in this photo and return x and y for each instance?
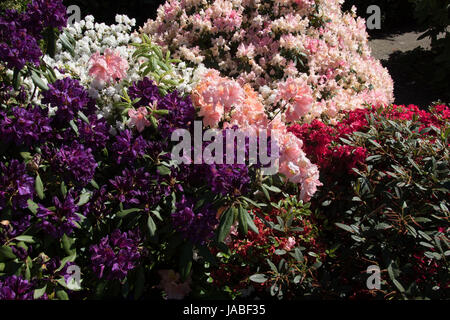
(17, 187)
(94, 134)
(228, 179)
(20, 32)
(17, 47)
(75, 162)
(126, 149)
(138, 188)
(26, 126)
(98, 204)
(197, 225)
(181, 113)
(16, 226)
(41, 14)
(145, 90)
(16, 288)
(60, 221)
(69, 97)
(116, 254)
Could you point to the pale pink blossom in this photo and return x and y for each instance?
(108, 67)
(138, 118)
(290, 243)
(172, 285)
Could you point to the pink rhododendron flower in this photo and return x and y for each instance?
(170, 283)
(215, 96)
(297, 94)
(138, 118)
(290, 243)
(108, 67)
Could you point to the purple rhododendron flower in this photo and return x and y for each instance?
(60, 221)
(138, 188)
(94, 134)
(16, 288)
(16, 185)
(26, 127)
(68, 96)
(127, 149)
(196, 225)
(116, 254)
(146, 90)
(41, 14)
(17, 47)
(181, 113)
(74, 162)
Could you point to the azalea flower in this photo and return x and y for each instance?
(138, 118)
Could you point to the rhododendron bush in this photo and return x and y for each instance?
(90, 185)
(303, 55)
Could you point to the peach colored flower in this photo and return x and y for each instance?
(298, 96)
(138, 118)
(108, 67)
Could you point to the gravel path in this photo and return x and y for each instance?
(383, 48)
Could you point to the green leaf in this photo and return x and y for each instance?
(242, 215)
(67, 243)
(63, 188)
(163, 170)
(74, 127)
(151, 225)
(26, 156)
(124, 213)
(6, 253)
(64, 261)
(266, 193)
(345, 227)
(38, 81)
(186, 260)
(39, 186)
(39, 292)
(273, 188)
(32, 206)
(62, 295)
(83, 117)
(280, 252)
(84, 198)
(258, 278)
(398, 285)
(226, 220)
(139, 286)
(28, 239)
(272, 266)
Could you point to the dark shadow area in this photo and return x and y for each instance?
(396, 16)
(411, 72)
(106, 10)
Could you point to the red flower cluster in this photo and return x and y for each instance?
(322, 142)
(253, 250)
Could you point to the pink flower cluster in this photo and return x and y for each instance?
(308, 46)
(224, 102)
(108, 67)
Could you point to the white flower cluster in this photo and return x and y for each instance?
(92, 37)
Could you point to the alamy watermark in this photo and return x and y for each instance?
(374, 280)
(238, 145)
(374, 20)
(73, 14)
(73, 280)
